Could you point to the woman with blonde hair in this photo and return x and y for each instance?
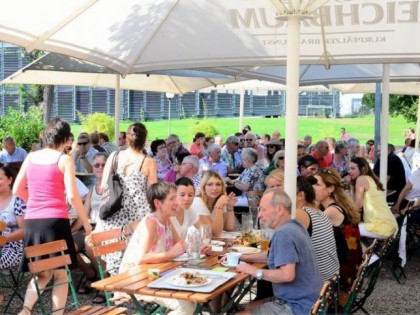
(344, 216)
(214, 205)
(275, 179)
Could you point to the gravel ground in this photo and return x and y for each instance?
(389, 297)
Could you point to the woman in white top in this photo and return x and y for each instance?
(213, 205)
(185, 216)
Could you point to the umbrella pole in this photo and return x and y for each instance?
(384, 129)
(241, 109)
(117, 109)
(416, 146)
(292, 102)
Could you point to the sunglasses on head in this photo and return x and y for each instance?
(97, 165)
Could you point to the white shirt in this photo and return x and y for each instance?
(201, 209)
(190, 218)
(414, 179)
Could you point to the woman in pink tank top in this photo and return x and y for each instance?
(46, 177)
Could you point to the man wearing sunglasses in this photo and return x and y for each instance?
(231, 156)
(83, 155)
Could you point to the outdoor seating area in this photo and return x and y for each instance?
(178, 157)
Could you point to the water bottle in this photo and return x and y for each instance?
(193, 246)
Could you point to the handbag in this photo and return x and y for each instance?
(111, 199)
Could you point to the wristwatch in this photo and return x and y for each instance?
(259, 274)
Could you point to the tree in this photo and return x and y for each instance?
(41, 95)
(404, 105)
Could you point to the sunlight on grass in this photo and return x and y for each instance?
(360, 128)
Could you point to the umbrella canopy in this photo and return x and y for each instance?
(136, 36)
(140, 35)
(56, 69)
(406, 88)
(321, 75)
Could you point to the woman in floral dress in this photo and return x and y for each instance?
(137, 172)
(12, 209)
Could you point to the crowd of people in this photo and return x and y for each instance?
(169, 190)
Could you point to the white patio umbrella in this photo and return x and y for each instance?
(146, 35)
(55, 69)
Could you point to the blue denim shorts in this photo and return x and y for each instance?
(275, 307)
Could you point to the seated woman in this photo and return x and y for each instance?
(213, 205)
(251, 181)
(185, 216)
(368, 193)
(344, 216)
(91, 206)
(275, 179)
(12, 211)
(273, 146)
(307, 165)
(318, 226)
(160, 155)
(155, 240)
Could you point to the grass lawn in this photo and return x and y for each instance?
(359, 128)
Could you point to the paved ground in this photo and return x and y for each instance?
(389, 297)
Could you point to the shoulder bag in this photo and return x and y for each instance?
(111, 199)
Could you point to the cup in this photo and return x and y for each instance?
(206, 234)
(246, 222)
(153, 274)
(232, 259)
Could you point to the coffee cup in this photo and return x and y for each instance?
(232, 259)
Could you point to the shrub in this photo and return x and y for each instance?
(203, 126)
(99, 122)
(23, 126)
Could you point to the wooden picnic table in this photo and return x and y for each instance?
(135, 282)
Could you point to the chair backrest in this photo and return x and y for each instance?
(38, 260)
(49, 256)
(327, 296)
(364, 282)
(107, 242)
(2, 229)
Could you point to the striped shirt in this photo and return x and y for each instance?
(323, 241)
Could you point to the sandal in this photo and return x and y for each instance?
(99, 298)
(86, 286)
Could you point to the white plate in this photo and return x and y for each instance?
(184, 257)
(172, 281)
(218, 243)
(245, 250)
(224, 264)
(230, 235)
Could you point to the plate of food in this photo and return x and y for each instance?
(189, 280)
(245, 249)
(248, 239)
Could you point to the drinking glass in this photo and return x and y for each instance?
(254, 213)
(206, 234)
(266, 234)
(193, 246)
(246, 222)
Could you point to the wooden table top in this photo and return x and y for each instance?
(136, 281)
